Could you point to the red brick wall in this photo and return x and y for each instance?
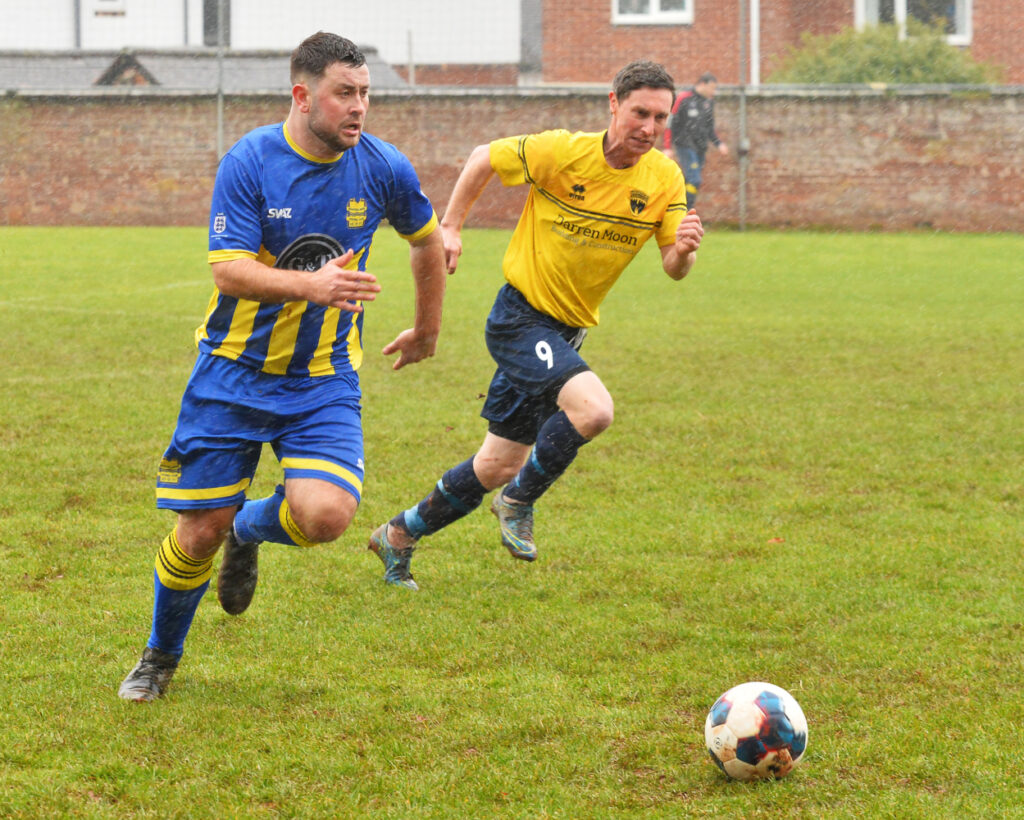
(470, 75)
(846, 161)
(783, 22)
(106, 161)
(998, 36)
(582, 46)
(580, 43)
(876, 161)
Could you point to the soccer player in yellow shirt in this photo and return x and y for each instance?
(594, 200)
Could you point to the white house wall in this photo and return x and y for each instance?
(439, 31)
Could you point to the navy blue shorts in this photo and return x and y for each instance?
(536, 355)
(229, 411)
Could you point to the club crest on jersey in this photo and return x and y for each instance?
(637, 201)
(355, 213)
(220, 223)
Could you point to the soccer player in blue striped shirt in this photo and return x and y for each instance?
(294, 209)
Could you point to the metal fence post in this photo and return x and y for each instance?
(220, 79)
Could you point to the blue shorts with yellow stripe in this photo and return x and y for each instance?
(229, 411)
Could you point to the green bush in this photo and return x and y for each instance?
(878, 55)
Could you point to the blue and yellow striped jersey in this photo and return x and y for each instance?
(277, 204)
(583, 221)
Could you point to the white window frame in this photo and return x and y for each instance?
(865, 13)
(655, 17)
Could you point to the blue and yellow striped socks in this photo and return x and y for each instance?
(179, 582)
(270, 519)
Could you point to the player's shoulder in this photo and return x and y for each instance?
(376, 147)
(260, 138)
(380, 153)
(553, 143)
(571, 144)
(256, 145)
(661, 167)
(658, 161)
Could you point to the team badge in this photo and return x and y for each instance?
(220, 223)
(355, 213)
(170, 471)
(637, 201)
(309, 253)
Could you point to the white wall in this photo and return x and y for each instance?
(37, 24)
(145, 24)
(454, 31)
(442, 31)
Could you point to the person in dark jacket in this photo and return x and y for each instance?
(690, 129)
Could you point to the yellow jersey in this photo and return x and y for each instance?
(583, 221)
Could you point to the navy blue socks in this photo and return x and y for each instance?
(558, 442)
(457, 494)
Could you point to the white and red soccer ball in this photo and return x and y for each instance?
(756, 731)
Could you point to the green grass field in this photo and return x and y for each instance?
(815, 478)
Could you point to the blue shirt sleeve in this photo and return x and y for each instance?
(409, 210)
(235, 207)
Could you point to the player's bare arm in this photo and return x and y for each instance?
(677, 259)
(426, 258)
(476, 173)
(333, 285)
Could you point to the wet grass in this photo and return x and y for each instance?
(814, 478)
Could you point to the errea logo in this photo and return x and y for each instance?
(279, 213)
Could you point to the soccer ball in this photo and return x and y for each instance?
(755, 731)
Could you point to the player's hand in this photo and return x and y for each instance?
(411, 348)
(689, 233)
(335, 285)
(452, 238)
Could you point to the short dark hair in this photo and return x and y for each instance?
(707, 77)
(642, 74)
(314, 54)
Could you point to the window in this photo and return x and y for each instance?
(953, 15)
(648, 12)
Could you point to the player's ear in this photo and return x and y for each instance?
(613, 102)
(302, 95)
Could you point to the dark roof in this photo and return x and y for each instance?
(180, 70)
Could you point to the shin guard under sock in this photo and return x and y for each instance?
(457, 494)
(558, 442)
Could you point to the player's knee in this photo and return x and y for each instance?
(319, 512)
(495, 472)
(595, 418)
(505, 473)
(321, 525)
(201, 532)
